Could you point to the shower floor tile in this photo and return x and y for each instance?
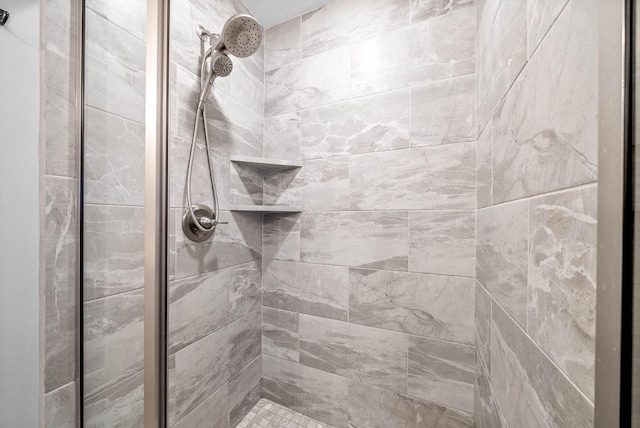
(267, 414)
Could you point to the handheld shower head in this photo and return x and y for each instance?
(241, 36)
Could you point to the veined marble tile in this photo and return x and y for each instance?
(245, 341)
(282, 44)
(369, 124)
(366, 354)
(541, 14)
(422, 10)
(501, 57)
(281, 237)
(487, 413)
(320, 395)
(60, 407)
(483, 325)
(528, 387)
(115, 69)
(486, 14)
(484, 167)
(501, 255)
(546, 131)
(343, 22)
(213, 411)
(442, 242)
(320, 290)
(121, 405)
(282, 137)
(314, 81)
(247, 84)
(245, 185)
(245, 390)
(113, 250)
(562, 281)
(113, 159)
(59, 23)
(128, 15)
(440, 177)
(60, 281)
(426, 305)
(245, 289)
(443, 112)
(324, 184)
(431, 415)
(113, 340)
(280, 334)
(282, 187)
(198, 306)
(434, 50)
(232, 244)
(376, 239)
(442, 372)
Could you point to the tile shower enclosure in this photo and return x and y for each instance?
(443, 267)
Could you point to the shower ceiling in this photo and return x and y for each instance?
(272, 12)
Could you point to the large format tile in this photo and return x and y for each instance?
(128, 15)
(442, 242)
(442, 372)
(440, 177)
(422, 10)
(245, 185)
(245, 341)
(320, 395)
(320, 290)
(484, 167)
(282, 44)
(376, 239)
(528, 387)
(487, 414)
(213, 411)
(245, 389)
(434, 50)
(60, 407)
(562, 281)
(245, 289)
(326, 28)
(546, 131)
(280, 334)
(121, 405)
(483, 325)
(443, 112)
(368, 124)
(541, 14)
(282, 137)
(247, 84)
(361, 353)
(426, 305)
(281, 237)
(501, 259)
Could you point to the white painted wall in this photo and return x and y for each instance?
(19, 215)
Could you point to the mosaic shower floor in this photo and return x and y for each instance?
(267, 414)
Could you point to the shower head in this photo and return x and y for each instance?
(241, 36)
(221, 64)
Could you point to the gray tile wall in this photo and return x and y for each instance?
(536, 220)
(368, 317)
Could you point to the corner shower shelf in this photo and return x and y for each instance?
(266, 208)
(265, 163)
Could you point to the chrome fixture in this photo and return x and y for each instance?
(4, 15)
(241, 36)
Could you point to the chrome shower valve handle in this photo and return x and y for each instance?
(206, 220)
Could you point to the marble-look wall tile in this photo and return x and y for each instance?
(562, 281)
(422, 10)
(546, 131)
(280, 334)
(282, 44)
(247, 84)
(121, 405)
(541, 14)
(281, 237)
(442, 242)
(487, 414)
(501, 259)
(369, 124)
(245, 341)
(320, 290)
(528, 387)
(60, 264)
(60, 407)
(245, 289)
(324, 184)
(113, 340)
(361, 353)
(282, 137)
(317, 394)
(443, 112)
(501, 57)
(442, 372)
(484, 167)
(486, 13)
(113, 250)
(113, 159)
(245, 184)
(128, 15)
(337, 24)
(376, 239)
(426, 305)
(440, 177)
(232, 244)
(483, 325)
(198, 306)
(115, 69)
(434, 50)
(314, 81)
(282, 187)
(431, 415)
(213, 411)
(245, 390)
